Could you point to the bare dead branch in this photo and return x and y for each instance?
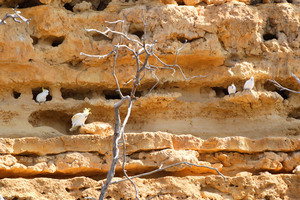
(116, 138)
(157, 81)
(99, 56)
(141, 67)
(297, 79)
(124, 150)
(283, 88)
(114, 73)
(163, 168)
(16, 16)
(115, 22)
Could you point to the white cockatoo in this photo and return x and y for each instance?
(41, 97)
(231, 89)
(249, 84)
(79, 119)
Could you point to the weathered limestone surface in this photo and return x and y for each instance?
(251, 137)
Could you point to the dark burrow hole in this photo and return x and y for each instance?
(290, 1)
(56, 41)
(138, 33)
(269, 36)
(254, 2)
(283, 93)
(36, 91)
(56, 119)
(103, 4)
(16, 94)
(220, 91)
(270, 87)
(69, 7)
(78, 94)
(29, 3)
(185, 40)
(113, 94)
(15, 198)
(35, 40)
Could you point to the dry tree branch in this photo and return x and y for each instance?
(17, 15)
(141, 67)
(163, 168)
(284, 88)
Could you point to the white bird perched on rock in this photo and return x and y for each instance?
(231, 89)
(249, 84)
(41, 97)
(79, 119)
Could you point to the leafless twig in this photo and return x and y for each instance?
(141, 68)
(16, 16)
(284, 88)
(163, 168)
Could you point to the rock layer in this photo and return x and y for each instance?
(252, 137)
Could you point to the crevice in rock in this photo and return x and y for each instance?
(77, 94)
(138, 33)
(36, 91)
(269, 36)
(58, 120)
(35, 40)
(69, 7)
(255, 2)
(29, 3)
(113, 94)
(16, 94)
(185, 40)
(56, 41)
(220, 91)
(270, 87)
(103, 4)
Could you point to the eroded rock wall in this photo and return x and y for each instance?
(252, 137)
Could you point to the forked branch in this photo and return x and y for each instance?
(17, 17)
(284, 88)
(142, 67)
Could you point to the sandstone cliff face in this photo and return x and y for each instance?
(252, 137)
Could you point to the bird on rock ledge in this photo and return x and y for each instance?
(231, 89)
(249, 84)
(79, 119)
(41, 97)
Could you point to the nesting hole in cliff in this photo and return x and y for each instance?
(56, 119)
(290, 1)
(36, 91)
(185, 40)
(77, 94)
(269, 36)
(220, 91)
(69, 7)
(113, 94)
(137, 29)
(270, 87)
(103, 4)
(56, 41)
(138, 33)
(254, 2)
(29, 3)
(16, 94)
(35, 40)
